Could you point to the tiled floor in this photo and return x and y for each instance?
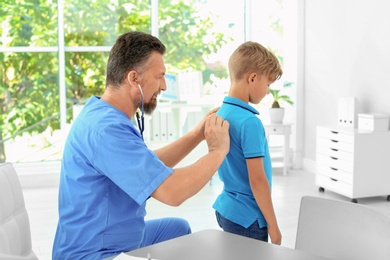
(287, 191)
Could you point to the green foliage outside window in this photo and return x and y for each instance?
(29, 88)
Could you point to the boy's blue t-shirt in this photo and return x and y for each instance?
(247, 140)
(107, 175)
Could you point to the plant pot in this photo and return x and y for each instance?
(276, 115)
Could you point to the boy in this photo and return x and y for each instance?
(245, 206)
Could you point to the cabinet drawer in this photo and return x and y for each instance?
(334, 162)
(335, 174)
(333, 144)
(335, 135)
(335, 152)
(275, 129)
(335, 186)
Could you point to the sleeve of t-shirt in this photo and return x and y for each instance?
(124, 158)
(253, 138)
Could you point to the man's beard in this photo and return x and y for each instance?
(150, 106)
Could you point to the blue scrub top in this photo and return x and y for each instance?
(107, 175)
(247, 140)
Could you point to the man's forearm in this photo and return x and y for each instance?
(187, 181)
(174, 152)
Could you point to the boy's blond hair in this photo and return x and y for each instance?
(253, 57)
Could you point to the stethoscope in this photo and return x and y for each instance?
(140, 121)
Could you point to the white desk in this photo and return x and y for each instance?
(219, 245)
(285, 130)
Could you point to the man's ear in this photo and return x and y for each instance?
(132, 77)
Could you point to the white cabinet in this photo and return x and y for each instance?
(352, 162)
(285, 131)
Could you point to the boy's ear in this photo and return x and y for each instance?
(252, 77)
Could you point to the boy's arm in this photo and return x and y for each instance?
(262, 193)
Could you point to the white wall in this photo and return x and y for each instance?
(346, 53)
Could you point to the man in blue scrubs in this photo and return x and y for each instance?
(108, 172)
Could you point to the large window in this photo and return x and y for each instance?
(54, 56)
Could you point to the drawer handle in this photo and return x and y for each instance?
(334, 132)
(333, 179)
(334, 141)
(334, 169)
(334, 158)
(334, 149)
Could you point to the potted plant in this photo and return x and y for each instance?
(277, 111)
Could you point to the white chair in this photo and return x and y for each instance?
(342, 230)
(15, 236)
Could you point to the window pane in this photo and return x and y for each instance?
(28, 23)
(267, 29)
(99, 23)
(85, 75)
(29, 104)
(199, 36)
